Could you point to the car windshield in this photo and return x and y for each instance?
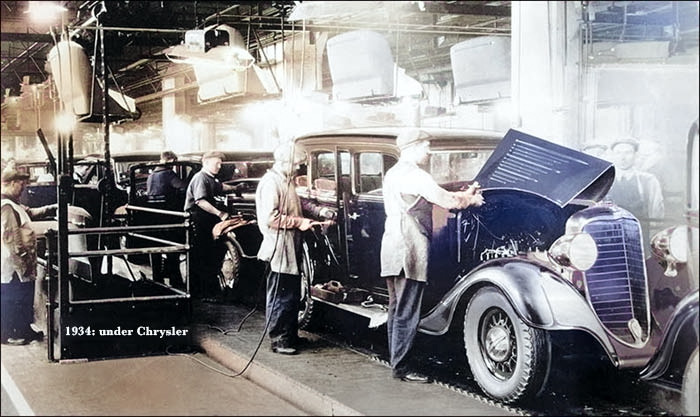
(36, 172)
(456, 166)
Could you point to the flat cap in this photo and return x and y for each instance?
(12, 174)
(629, 141)
(410, 137)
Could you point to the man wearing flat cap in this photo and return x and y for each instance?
(19, 260)
(634, 190)
(409, 195)
(200, 201)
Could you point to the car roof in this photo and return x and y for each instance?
(136, 155)
(441, 137)
(31, 162)
(232, 156)
(123, 156)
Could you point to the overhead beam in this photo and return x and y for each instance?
(464, 8)
(26, 37)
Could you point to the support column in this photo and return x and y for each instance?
(545, 47)
(174, 105)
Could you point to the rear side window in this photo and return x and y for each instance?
(371, 169)
(324, 168)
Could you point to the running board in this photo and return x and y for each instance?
(376, 313)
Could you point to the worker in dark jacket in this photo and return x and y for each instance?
(409, 195)
(163, 185)
(164, 188)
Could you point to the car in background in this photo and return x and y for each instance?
(41, 185)
(92, 189)
(243, 242)
(540, 260)
(239, 167)
(674, 271)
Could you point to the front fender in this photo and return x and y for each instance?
(683, 319)
(539, 296)
(247, 238)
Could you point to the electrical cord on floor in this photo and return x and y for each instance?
(252, 357)
(201, 362)
(237, 329)
(249, 314)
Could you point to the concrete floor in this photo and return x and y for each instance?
(324, 379)
(154, 385)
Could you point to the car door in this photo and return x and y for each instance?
(317, 188)
(365, 217)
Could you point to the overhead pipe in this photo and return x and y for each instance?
(163, 93)
(130, 29)
(158, 77)
(218, 14)
(404, 27)
(274, 78)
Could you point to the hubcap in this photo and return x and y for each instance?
(498, 343)
(227, 271)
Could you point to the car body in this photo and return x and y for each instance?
(674, 268)
(537, 259)
(243, 167)
(41, 185)
(88, 180)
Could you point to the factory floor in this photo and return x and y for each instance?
(325, 378)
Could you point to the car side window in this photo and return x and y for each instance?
(371, 169)
(324, 168)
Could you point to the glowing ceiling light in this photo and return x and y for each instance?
(64, 122)
(44, 11)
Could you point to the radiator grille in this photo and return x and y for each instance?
(616, 284)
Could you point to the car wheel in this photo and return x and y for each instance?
(508, 359)
(306, 303)
(230, 267)
(690, 391)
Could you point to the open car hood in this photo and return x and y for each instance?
(555, 172)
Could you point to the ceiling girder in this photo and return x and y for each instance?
(26, 37)
(467, 8)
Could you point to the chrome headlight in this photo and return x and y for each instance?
(671, 245)
(576, 251)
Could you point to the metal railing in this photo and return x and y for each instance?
(59, 278)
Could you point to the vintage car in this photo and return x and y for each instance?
(242, 243)
(88, 181)
(41, 186)
(674, 270)
(546, 254)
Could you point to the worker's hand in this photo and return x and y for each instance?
(471, 196)
(223, 215)
(305, 224)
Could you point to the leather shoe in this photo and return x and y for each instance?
(15, 341)
(302, 342)
(34, 335)
(284, 350)
(414, 377)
